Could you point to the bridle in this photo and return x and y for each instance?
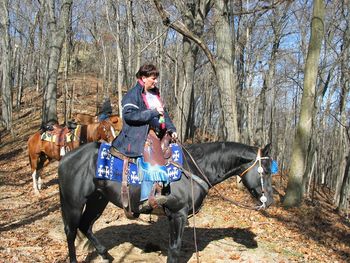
(263, 198)
(107, 131)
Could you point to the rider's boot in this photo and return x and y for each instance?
(153, 202)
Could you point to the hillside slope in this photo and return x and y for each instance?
(31, 228)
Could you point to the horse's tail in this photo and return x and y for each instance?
(29, 148)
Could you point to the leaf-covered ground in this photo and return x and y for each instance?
(31, 229)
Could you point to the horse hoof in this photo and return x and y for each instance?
(106, 258)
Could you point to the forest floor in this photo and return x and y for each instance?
(31, 229)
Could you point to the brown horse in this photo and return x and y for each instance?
(61, 139)
(104, 130)
(116, 122)
(85, 119)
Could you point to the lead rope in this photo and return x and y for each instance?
(189, 175)
(194, 222)
(263, 198)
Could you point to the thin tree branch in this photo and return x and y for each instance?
(261, 8)
(182, 29)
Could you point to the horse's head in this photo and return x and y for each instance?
(257, 177)
(116, 122)
(105, 131)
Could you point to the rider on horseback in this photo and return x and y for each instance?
(106, 110)
(143, 111)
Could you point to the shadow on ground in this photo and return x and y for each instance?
(154, 238)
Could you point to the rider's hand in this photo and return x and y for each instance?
(160, 110)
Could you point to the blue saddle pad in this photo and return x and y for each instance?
(141, 173)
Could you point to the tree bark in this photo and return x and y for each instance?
(121, 76)
(194, 16)
(224, 70)
(343, 202)
(294, 192)
(344, 140)
(222, 65)
(6, 65)
(57, 30)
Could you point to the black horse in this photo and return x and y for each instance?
(84, 198)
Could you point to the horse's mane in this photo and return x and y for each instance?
(244, 152)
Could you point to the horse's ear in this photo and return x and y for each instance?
(266, 150)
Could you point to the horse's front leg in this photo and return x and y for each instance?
(93, 210)
(177, 223)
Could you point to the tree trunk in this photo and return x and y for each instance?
(294, 192)
(40, 69)
(119, 56)
(190, 51)
(57, 31)
(344, 140)
(222, 66)
(6, 65)
(343, 202)
(67, 59)
(129, 73)
(120, 65)
(224, 70)
(104, 69)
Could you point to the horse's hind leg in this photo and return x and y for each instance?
(71, 217)
(93, 210)
(34, 160)
(37, 163)
(35, 176)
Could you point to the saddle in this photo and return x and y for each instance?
(156, 152)
(57, 134)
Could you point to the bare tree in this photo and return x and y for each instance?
(194, 14)
(6, 64)
(294, 192)
(342, 180)
(119, 56)
(222, 65)
(224, 69)
(57, 31)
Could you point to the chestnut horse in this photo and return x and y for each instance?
(85, 119)
(60, 140)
